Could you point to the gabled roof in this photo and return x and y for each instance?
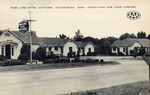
(26, 36)
(1, 32)
(81, 44)
(47, 41)
(128, 42)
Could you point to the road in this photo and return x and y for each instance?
(60, 81)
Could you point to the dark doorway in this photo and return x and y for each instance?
(7, 53)
(89, 49)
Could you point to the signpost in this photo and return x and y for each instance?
(146, 58)
(25, 26)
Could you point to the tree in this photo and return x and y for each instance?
(63, 36)
(141, 34)
(25, 49)
(24, 53)
(148, 36)
(78, 36)
(127, 35)
(24, 57)
(41, 53)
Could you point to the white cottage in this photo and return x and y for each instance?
(12, 41)
(128, 44)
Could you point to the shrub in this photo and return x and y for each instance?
(101, 60)
(77, 59)
(96, 60)
(88, 60)
(114, 54)
(2, 58)
(91, 54)
(134, 53)
(24, 57)
(12, 63)
(41, 53)
(48, 61)
(50, 56)
(71, 54)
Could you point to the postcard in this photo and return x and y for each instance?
(74, 47)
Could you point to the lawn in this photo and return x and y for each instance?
(138, 88)
(53, 66)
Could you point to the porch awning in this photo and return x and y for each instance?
(8, 42)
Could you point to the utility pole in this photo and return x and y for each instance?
(30, 36)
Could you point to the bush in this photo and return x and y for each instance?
(96, 60)
(134, 53)
(114, 54)
(12, 62)
(101, 60)
(77, 59)
(2, 58)
(50, 56)
(48, 61)
(88, 60)
(71, 54)
(91, 54)
(41, 53)
(23, 57)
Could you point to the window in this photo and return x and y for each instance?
(89, 49)
(114, 48)
(118, 49)
(7, 34)
(2, 49)
(79, 50)
(56, 48)
(70, 49)
(49, 48)
(124, 49)
(12, 50)
(61, 49)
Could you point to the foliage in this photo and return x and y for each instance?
(148, 36)
(41, 53)
(71, 54)
(127, 35)
(12, 63)
(78, 36)
(24, 53)
(2, 58)
(91, 54)
(24, 57)
(25, 49)
(141, 34)
(63, 36)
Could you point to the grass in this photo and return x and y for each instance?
(138, 88)
(52, 66)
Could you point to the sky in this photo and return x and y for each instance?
(94, 19)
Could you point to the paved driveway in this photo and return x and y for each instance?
(58, 81)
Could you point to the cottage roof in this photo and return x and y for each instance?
(47, 41)
(26, 36)
(128, 42)
(81, 44)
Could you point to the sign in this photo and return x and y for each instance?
(146, 58)
(24, 26)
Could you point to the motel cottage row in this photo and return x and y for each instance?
(11, 43)
(129, 44)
